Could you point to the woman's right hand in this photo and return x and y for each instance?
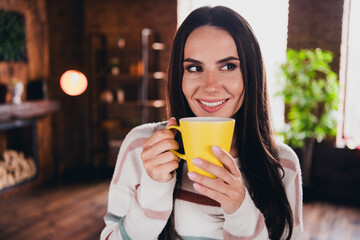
(159, 162)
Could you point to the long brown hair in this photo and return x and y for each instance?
(253, 134)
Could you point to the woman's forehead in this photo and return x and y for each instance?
(210, 40)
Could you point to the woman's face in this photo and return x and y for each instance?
(212, 81)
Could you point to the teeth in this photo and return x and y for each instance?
(212, 104)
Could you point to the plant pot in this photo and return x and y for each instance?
(307, 155)
(16, 91)
(10, 71)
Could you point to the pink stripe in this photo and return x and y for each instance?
(291, 165)
(196, 198)
(108, 235)
(288, 164)
(158, 215)
(133, 145)
(258, 229)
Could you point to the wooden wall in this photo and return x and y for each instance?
(66, 51)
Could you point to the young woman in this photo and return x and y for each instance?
(216, 69)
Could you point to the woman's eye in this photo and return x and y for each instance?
(192, 68)
(228, 66)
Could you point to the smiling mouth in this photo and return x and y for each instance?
(212, 104)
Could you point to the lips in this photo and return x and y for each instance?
(212, 105)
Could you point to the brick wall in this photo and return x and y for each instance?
(127, 18)
(316, 23)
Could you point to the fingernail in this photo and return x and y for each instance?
(197, 161)
(196, 186)
(173, 118)
(192, 175)
(216, 149)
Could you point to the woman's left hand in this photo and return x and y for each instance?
(228, 188)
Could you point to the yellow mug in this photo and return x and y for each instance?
(199, 134)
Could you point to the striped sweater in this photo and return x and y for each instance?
(139, 207)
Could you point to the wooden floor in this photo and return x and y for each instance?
(331, 222)
(61, 213)
(76, 212)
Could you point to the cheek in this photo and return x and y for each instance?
(239, 88)
(235, 87)
(187, 88)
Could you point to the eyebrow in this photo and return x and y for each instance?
(219, 61)
(192, 61)
(227, 59)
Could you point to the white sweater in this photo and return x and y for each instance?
(139, 207)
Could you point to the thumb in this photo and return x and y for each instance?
(172, 121)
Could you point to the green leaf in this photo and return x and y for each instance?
(311, 94)
(12, 36)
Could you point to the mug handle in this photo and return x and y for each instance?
(180, 155)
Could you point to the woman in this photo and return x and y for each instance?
(216, 69)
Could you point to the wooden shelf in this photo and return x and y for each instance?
(125, 78)
(26, 128)
(150, 103)
(134, 79)
(27, 109)
(114, 120)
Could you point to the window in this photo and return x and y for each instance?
(349, 109)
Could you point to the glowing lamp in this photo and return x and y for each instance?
(73, 82)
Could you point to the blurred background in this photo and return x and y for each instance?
(77, 75)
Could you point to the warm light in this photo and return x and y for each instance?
(159, 103)
(158, 46)
(159, 75)
(73, 82)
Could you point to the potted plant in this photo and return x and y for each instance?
(310, 93)
(12, 50)
(12, 32)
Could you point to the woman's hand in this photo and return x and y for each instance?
(159, 162)
(228, 189)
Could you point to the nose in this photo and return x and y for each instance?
(211, 83)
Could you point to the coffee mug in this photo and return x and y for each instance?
(199, 134)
